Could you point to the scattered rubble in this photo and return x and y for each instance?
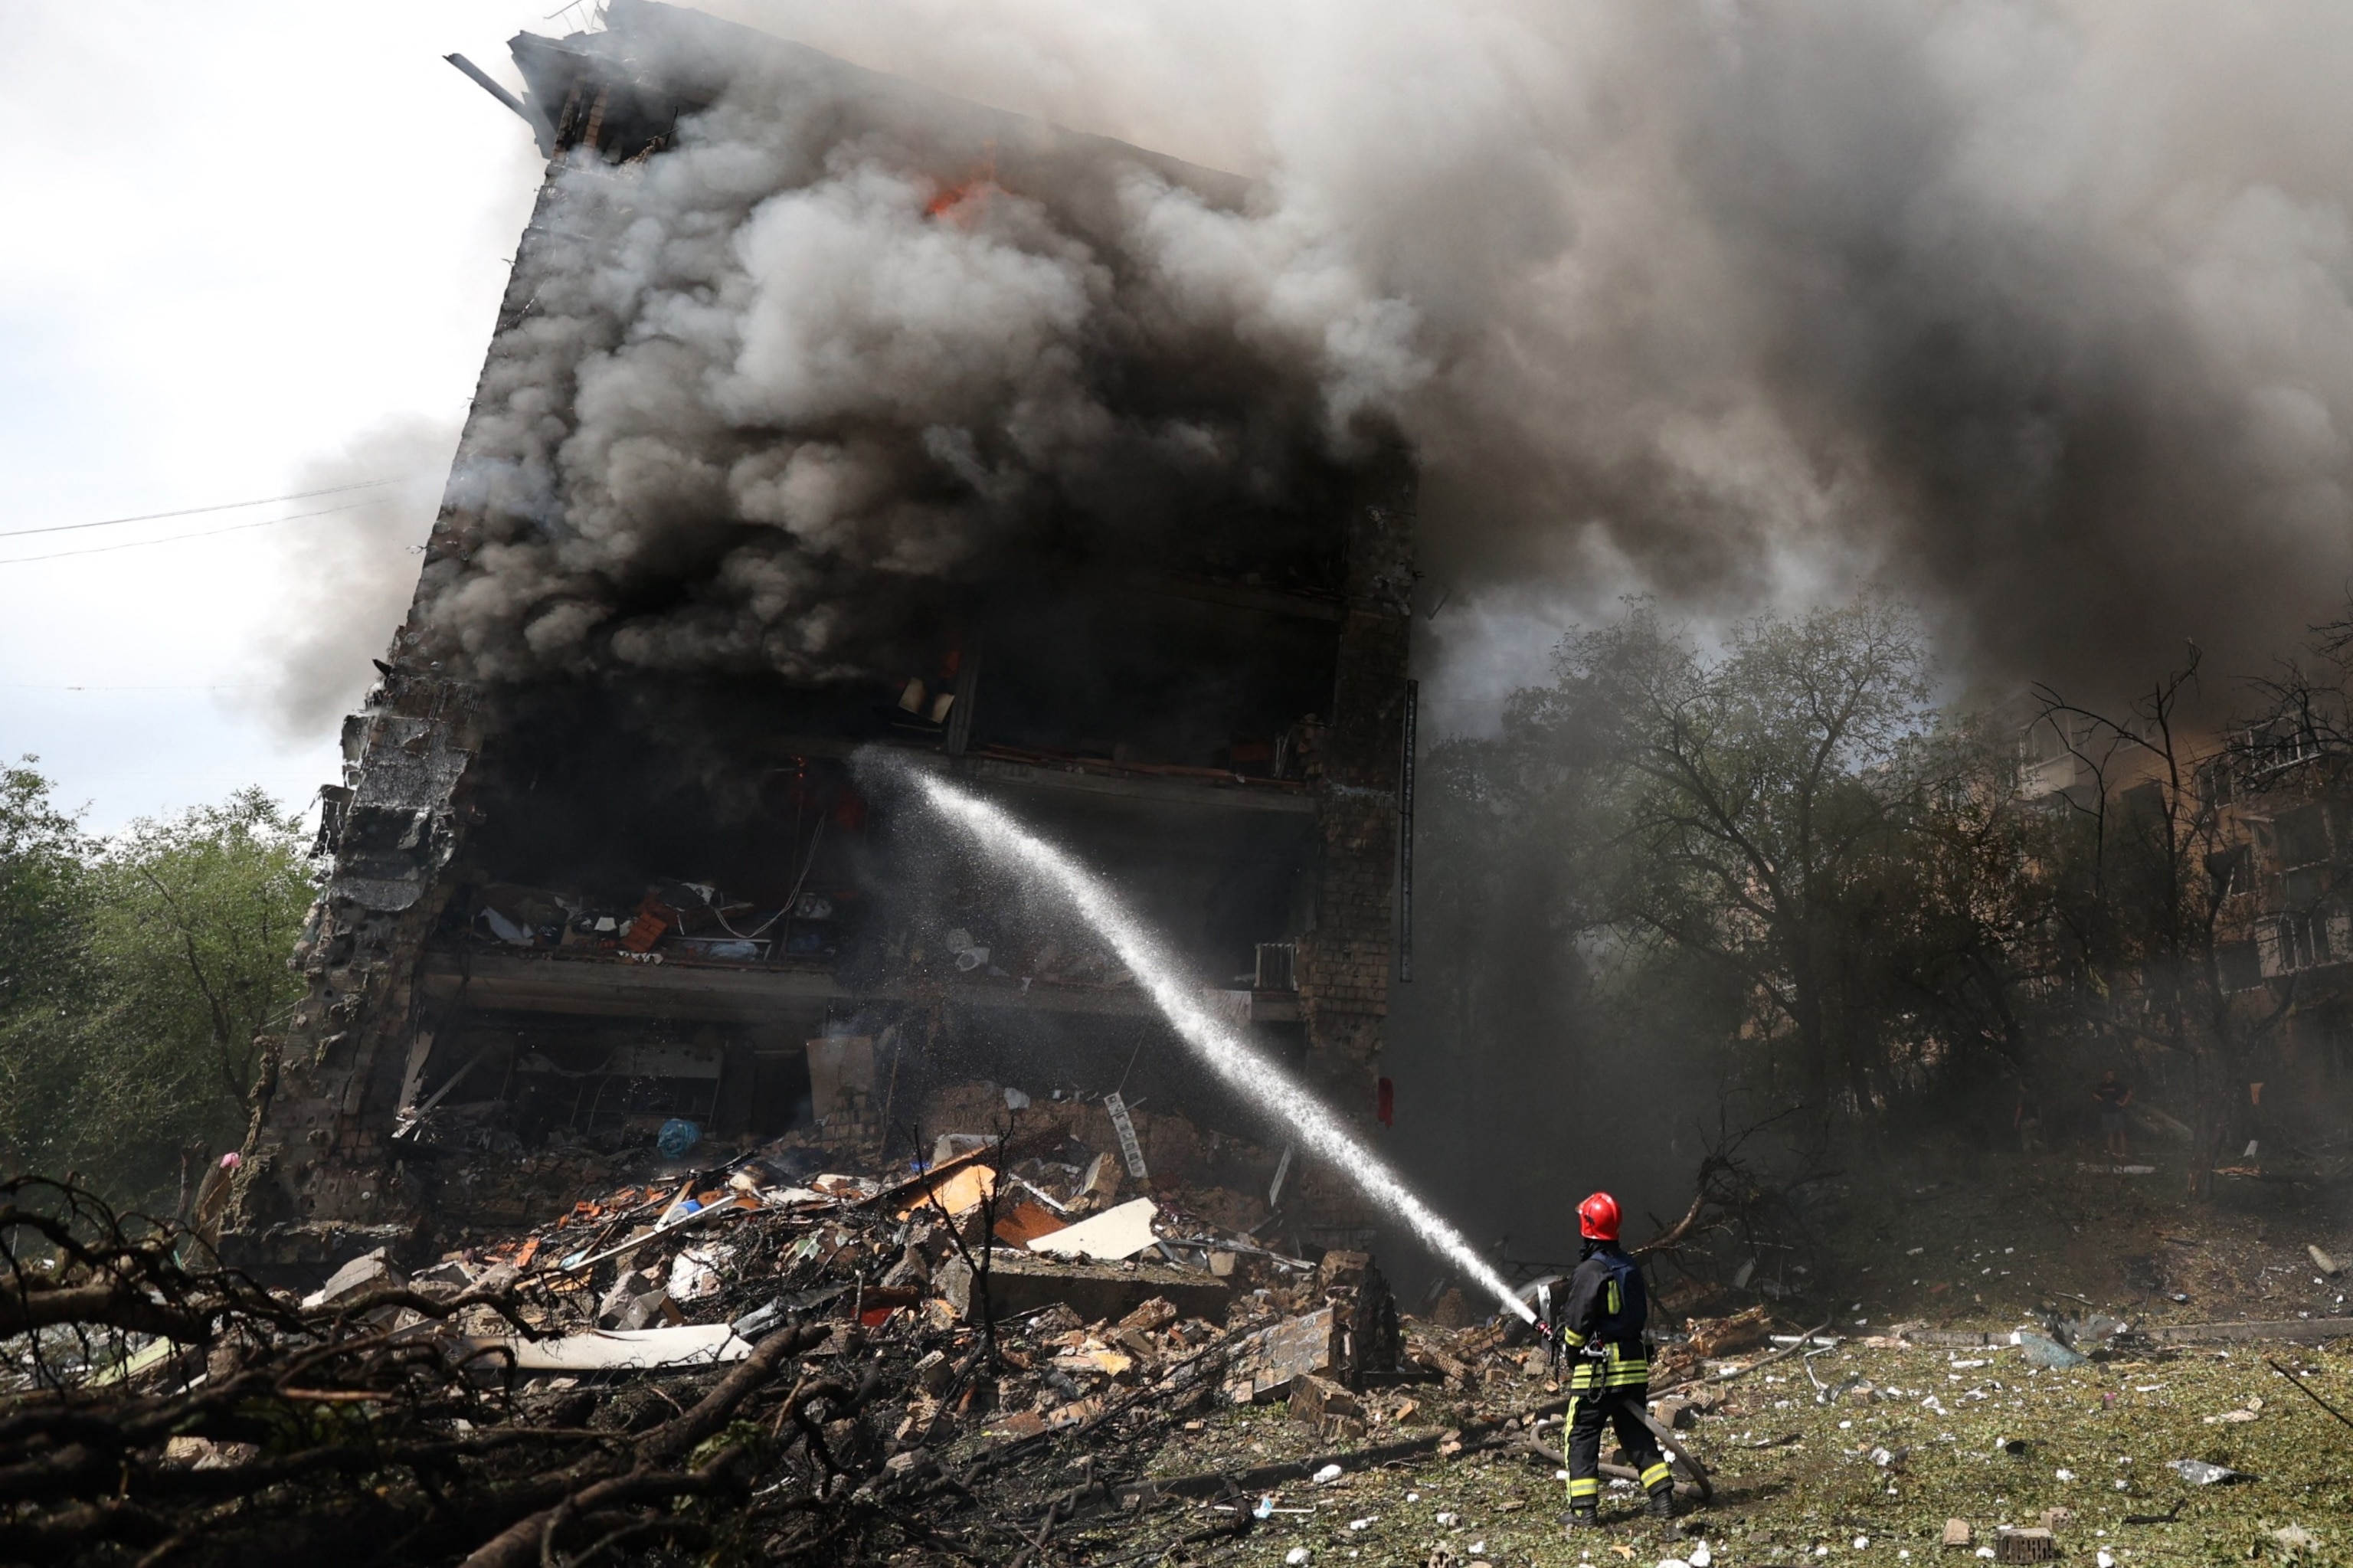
(2044, 1350)
(896, 1361)
(2031, 1545)
(900, 1342)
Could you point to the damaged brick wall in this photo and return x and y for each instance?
(1344, 961)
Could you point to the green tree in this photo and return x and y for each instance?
(1771, 864)
(128, 1018)
(43, 982)
(1758, 786)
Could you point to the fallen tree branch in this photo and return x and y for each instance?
(682, 1433)
(528, 1539)
(30, 1308)
(1681, 1228)
(441, 1307)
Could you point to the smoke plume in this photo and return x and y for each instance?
(348, 575)
(762, 384)
(2036, 309)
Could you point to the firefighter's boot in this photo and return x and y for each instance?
(1659, 1480)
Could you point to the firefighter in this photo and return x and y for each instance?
(1600, 1330)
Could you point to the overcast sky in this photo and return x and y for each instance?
(241, 237)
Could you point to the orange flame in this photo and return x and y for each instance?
(962, 203)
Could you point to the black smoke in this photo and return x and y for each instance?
(2038, 309)
(761, 395)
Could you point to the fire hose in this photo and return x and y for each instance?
(1700, 1482)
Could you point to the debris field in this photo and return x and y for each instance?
(753, 1361)
(997, 1353)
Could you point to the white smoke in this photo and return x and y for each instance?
(348, 576)
(774, 366)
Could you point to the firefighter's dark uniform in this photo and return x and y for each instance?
(1602, 1326)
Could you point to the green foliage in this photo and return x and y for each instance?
(44, 988)
(1774, 863)
(41, 857)
(134, 975)
(1757, 788)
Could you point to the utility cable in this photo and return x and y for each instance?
(792, 901)
(198, 533)
(193, 510)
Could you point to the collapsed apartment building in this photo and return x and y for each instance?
(563, 906)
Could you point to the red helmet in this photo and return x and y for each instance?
(1597, 1218)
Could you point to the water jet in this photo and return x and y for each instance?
(1003, 839)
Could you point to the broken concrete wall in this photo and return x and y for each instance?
(318, 1180)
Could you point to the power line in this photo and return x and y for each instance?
(198, 533)
(193, 511)
(39, 686)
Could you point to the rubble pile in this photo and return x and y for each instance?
(1220, 1180)
(764, 1358)
(1008, 1350)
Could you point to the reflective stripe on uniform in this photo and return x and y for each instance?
(1590, 1487)
(1568, 1424)
(1656, 1476)
(1626, 1371)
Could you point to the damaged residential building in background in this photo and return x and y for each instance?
(2260, 819)
(612, 852)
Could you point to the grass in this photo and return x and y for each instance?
(1958, 1241)
(2097, 1439)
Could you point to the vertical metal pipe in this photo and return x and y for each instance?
(967, 692)
(1405, 836)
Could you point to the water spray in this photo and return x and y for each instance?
(1218, 1048)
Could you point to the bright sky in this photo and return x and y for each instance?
(240, 236)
